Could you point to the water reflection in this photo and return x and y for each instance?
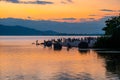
(24, 61)
(84, 51)
(112, 61)
(37, 63)
(66, 76)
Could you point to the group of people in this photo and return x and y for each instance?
(69, 42)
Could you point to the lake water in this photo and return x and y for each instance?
(20, 60)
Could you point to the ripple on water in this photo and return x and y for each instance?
(70, 76)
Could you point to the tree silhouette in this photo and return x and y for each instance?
(112, 24)
(113, 29)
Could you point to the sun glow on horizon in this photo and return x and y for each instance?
(74, 11)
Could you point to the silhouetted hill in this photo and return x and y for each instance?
(87, 27)
(19, 30)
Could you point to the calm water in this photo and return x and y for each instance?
(20, 60)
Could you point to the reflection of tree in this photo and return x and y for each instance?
(84, 51)
(112, 61)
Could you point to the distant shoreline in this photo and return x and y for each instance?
(60, 35)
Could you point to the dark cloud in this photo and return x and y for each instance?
(13, 1)
(29, 2)
(70, 1)
(68, 18)
(107, 10)
(37, 2)
(118, 10)
(29, 17)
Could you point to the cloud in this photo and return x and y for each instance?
(91, 18)
(37, 2)
(87, 19)
(118, 10)
(29, 2)
(67, 1)
(83, 19)
(68, 18)
(29, 17)
(107, 10)
(13, 1)
(71, 1)
(92, 15)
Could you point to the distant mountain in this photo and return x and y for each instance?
(19, 30)
(85, 27)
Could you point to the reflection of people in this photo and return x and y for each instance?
(68, 46)
(44, 43)
(37, 42)
(57, 46)
(68, 49)
(83, 50)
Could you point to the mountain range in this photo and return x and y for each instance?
(19, 30)
(86, 27)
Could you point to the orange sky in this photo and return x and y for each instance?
(59, 10)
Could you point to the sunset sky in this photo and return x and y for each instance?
(81, 16)
(59, 10)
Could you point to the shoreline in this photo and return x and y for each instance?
(59, 35)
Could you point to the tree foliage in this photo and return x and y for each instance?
(113, 29)
(111, 25)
